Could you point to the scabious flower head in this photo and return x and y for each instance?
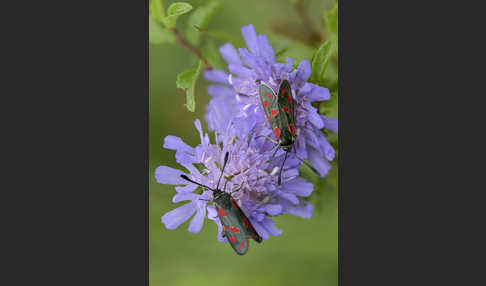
(250, 177)
(236, 98)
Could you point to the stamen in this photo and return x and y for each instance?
(275, 171)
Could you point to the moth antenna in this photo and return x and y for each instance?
(187, 179)
(224, 166)
(280, 173)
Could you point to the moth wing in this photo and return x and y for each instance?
(269, 101)
(286, 104)
(272, 110)
(233, 230)
(246, 223)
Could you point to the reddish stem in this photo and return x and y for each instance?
(194, 50)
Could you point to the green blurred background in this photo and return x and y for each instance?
(306, 252)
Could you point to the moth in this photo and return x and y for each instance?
(280, 112)
(236, 226)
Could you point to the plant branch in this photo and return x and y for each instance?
(192, 49)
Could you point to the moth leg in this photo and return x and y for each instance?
(270, 139)
(204, 200)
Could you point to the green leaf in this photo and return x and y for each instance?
(157, 9)
(321, 58)
(331, 19)
(157, 34)
(280, 47)
(174, 11)
(200, 18)
(329, 107)
(187, 81)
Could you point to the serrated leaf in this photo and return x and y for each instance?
(157, 34)
(174, 11)
(200, 18)
(321, 58)
(157, 10)
(331, 19)
(187, 81)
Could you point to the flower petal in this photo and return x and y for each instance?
(269, 225)
(319, 93)
(315, 118)
(240, 70)
(220, 90)
(298, 186)
(175, 143)
(216, 76)
(330, 123)
(197, 222)
(289, 196)
(185, 196)
(186, 189)
(289, 64)
(213, 215)
(174, 218)
(304, 70)
(260, 229)
(229, 54)
(250, 37)
(169, 176)
(247, 58)
(326, 148)
(266, 50)
(304, 211)
(273, 209)
(318, 161)
(219, 113)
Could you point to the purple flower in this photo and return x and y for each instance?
(235, 98)
(250, 177)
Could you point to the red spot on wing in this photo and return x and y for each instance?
(232, 239)
(283, 92)
(234, 229)
(266, 103)
(245, 221)
(289, 98)
(286, 109)
(274, 112)
(269, 117)
(269, 95)
(292, 129)
(221, 212)
(255, 235)
(234, 204)
(242, 244)
(276, 131)
(225, 227)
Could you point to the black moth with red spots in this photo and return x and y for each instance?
(280, 113)
(236, 226)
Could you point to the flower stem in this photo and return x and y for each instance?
(181, 41)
